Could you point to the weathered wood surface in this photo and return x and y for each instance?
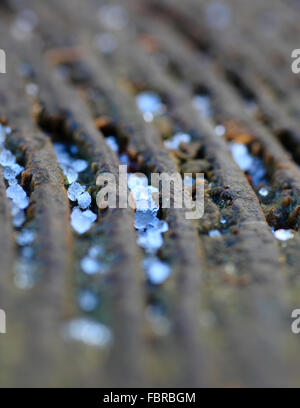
(229, 299)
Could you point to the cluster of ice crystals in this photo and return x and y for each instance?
(150, 228)
(76, 192)
(150, 104)
(253, 165)
(11, 173)
(151, 240)
(7, 159)
(177, 139)
(11, 170)
(18, 196)
(283, 234)
(82, 221)
(144, 195)
(84, 200)
(18, 215)
(70, 174)
(81, 218)
(79, 165)
(203, 104)
(69, 165)
(143, 219)
(88, 331)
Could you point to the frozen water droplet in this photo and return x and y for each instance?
(23, 203)
(82, 221)
(26, 237)
(175, 142)
(156, 270)
(87, 300)
(283, 234)
(220, 130)
(148, 117)
(160, 225)
(124, 159)
(27, 253)
(19, 218)
(62, 155)
(90, 266)
(10, 173)
(7, 159)
(142, 219)
(89, 215)
(95, 251)
(88, 331)
(84, 200)
(75, 190)
(188, 181)
(214, 233)
(264, 191)
(149, 103)
(71, 175)
(202, 103)
(18, 196)
(74, 149)
(79, 165)
(241, 156)
(151, 240)
(112, 143)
